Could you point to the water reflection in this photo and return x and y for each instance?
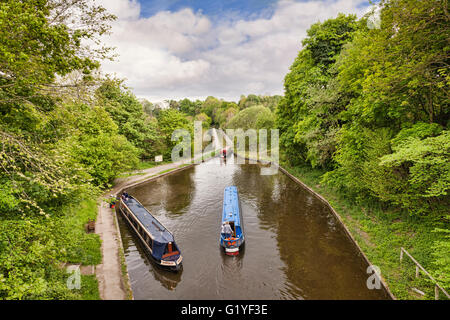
(139, 262)
(294, 249)
(171, 194)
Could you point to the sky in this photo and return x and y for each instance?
(177, 49)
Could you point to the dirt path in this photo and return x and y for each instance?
(109, 272)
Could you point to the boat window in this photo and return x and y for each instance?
(150, 242)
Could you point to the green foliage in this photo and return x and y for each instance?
(91, 142)
(252, 100)
(189, 107)
(424, 178)
(35, 179)
(75, 245)
(308, 116)
(325, 40)
(43, 127)
(36, 45)
(104, 156)
(256, 117)
(369, 106)
(206, 121)
(441, 248)
(128, 113)
(31, 251)
(210, 107)
(170, 120)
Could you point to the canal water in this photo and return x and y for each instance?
(295, 247)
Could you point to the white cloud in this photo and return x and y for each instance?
(173, 55)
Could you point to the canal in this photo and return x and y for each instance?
(295, 247)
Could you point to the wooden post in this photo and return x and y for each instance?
(401, 254)
(436, 292)
(417, 271)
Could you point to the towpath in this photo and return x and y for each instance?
(110, 278)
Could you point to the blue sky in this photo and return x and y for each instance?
(177, 49)
(249, 9)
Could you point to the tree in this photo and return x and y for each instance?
(209, 107)
(307, 116)
(128, 113)
(206, 121)
(170, 120)
(397, 80)
(256, 117)
(39, 42)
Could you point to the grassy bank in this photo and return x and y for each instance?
(84, 248)
(34, 251)
(141, 166)
(380, 233)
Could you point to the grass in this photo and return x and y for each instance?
(380, 233)
(130, 174)
(171, 169)
(89, 288)
(142, 165)
(82, 248)
(150, 164)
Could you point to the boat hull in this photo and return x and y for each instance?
(178, 266)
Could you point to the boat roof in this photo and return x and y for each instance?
(153, 226)
(231, 206)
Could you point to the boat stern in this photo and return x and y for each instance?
(174, 265)
(231, 245)
(232, 251)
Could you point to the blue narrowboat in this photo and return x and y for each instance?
(157, 241)
(232, 215)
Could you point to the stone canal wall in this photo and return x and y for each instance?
(339, 218)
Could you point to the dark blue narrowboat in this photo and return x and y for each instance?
(232, 215)
(157, 241)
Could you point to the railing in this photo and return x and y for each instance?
(437, 287)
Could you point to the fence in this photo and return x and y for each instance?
(437, 287)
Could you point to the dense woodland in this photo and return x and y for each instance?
(366, 107)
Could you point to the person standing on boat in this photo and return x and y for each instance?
(226, 230)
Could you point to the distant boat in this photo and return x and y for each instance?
(223, 153)
(157, 241)
(232, 214)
